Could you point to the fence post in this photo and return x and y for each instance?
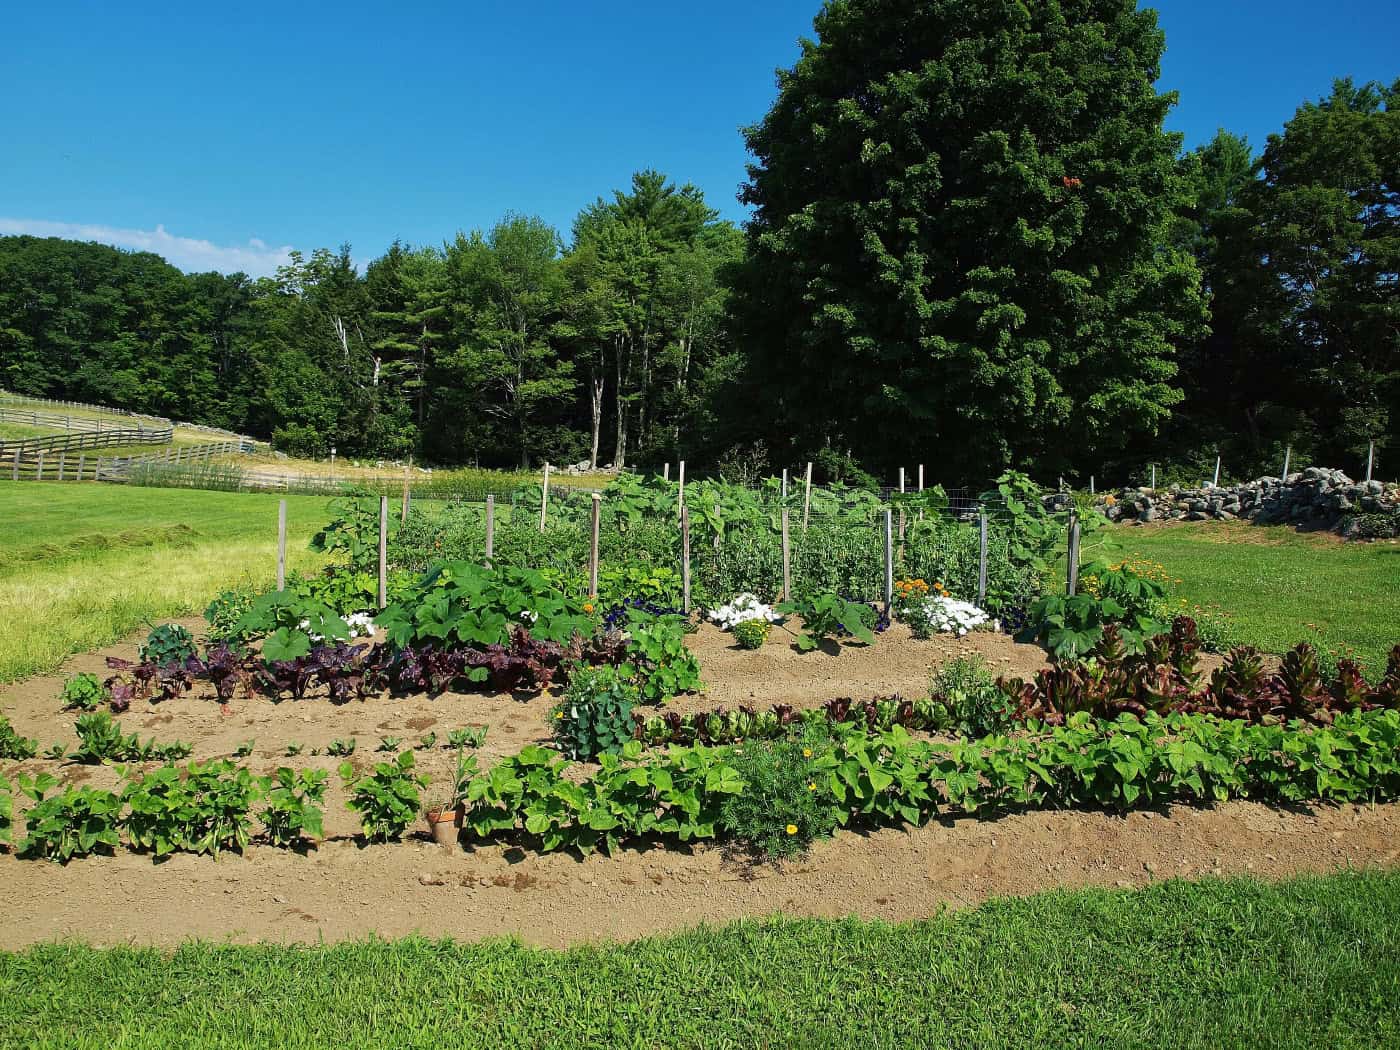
(490, 529)
(544, 495)
(281, 544)
(39, 474)
(62, 459)
(889, 561)
(1287, 456)
(593, 547)
(383, 552)
(1216, 483)
(666, 471)
(785, 477)
(787, 560)
(921, 489)
(1091, 485)
(981, 556)
(97, 470)
(1154, 477)
(680, 494)
(14, 474)
(1072, 568)
(1370, 459)
(403, 513)
(685, 559)
(807, 498)
(901, 507)
(82, 460)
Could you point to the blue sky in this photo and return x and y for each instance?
(222, 135)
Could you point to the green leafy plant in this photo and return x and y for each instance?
(389, 743)
(13, 746)
(292, 810)
(168, 643)
(751, 634)
(829, 616)
(353, 531)
(594, 716)
(341, 748)
(225, 616)
(467, 736)
(84, 692)
(426, 742)
(244, 749)
(206, 807)
(7, 826)
(76, 822)
(784, 804)
(295, 748)
(463, 770)
(387, 798)
(657, 658)
(967, 689)
(100, 739)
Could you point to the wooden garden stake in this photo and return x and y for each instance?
(1370, 459)
(981, 556)
(685, 559)
(889, 561)
(1216, 483)
(666, 471)
(787, 560)
(901, 512)
(921, 489)
(1287, 456)
(807, 498)
(680, 494)
(593, 547)
(490, 529)
(281, 544)
(544, 495)
(785, 477)
(1091, 484)
(403, 511)
(383, 552)
(1072, 569)
(1154, 477)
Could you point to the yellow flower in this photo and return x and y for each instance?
(811, 787)
(558, 714)
(792, 829)
(806, 752)
(588, 607)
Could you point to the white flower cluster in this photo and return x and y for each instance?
(361, 626)
(744, 607)
(951, 616)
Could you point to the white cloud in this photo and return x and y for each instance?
(255, 258)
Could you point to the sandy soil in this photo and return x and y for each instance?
(342, 890)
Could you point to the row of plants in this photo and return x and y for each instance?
(778, 795)
(1163, 675)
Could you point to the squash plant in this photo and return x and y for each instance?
(74, 823)
(829, 616)
(387, 798)
(292, 811)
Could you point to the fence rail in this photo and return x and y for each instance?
(80, 406)
(73, 465)
(91, 439)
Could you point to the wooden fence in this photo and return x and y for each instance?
(71, 465)
(58, 443)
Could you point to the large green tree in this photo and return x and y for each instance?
(958, 251)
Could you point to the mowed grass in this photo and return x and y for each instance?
(1240, 963)
(84, 565)
(1280, 586)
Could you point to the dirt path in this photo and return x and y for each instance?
(343, 891)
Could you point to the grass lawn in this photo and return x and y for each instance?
(1275, 582)
(84, 565)
(1309, 963)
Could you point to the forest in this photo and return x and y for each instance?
(973, 243)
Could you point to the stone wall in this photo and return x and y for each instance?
(1315, 498)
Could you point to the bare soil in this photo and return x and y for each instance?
(343, 890)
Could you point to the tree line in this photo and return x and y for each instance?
(973, 244)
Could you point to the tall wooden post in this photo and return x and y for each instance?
(383, 552)
(62, 459)
(1216, 483)
(685, 559)
(981, 556)
(1072, 568)
(1287, 457)
(39, 473)
(14, 473)
(1091, 485)
(785, 487)
(921, 489)
(1370, 459)
(490, 529)
(593, 546)
(666, 471)
(680, 493)
(787, 560)
(403, 511)
(82, 461)
(807, 498)
(281, 544)
(889, 561)
(901, 507)
(544, 496)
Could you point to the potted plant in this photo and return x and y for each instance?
(445, 815)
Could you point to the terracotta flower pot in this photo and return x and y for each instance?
(445, 825)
